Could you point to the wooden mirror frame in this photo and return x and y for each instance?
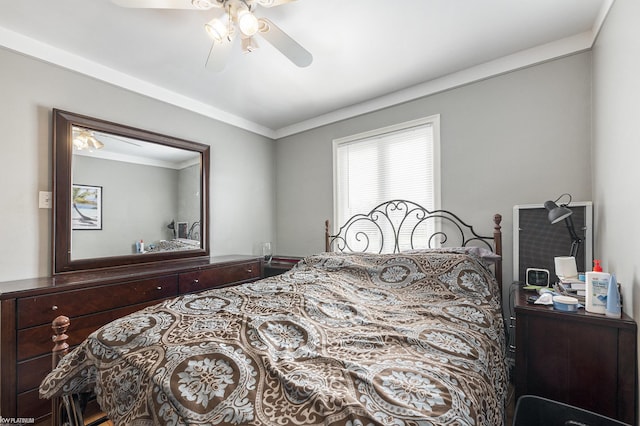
(62, 192)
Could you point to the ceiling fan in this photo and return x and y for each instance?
(85, 139)
(236, 23)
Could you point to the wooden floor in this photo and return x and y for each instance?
(93, 415)
(96, 417)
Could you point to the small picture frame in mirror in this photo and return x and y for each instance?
(87, 207)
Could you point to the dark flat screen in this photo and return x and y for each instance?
(540, 241)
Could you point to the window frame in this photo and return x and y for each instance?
(433, 120)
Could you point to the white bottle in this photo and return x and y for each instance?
(597, 289)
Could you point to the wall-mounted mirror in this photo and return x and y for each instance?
(124, 196)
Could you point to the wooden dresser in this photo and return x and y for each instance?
(90, 300)
(582, 359)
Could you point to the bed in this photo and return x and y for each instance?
(189, 241)
(175, 244)
(413, 337)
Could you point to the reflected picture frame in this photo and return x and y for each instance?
(86, 208)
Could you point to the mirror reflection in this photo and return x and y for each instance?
(132, 197)
(124, 196)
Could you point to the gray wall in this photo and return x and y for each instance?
(242, 163)
(616, 148)
(519, 138)
(522, 137)
(188, 195)
(138, 201)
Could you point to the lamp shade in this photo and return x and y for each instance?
(247, 22)
(218, 28)
(557, 213)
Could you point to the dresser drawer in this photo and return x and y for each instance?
(30, 406)
(218, 277)
(32, 372)
(42, 309)
(35, 344)
(36, 341)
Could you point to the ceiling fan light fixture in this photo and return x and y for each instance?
(94, 143)
(217, 29)
(203, 4)
(84, 139)
(247, 22)
(234, 23)
(249, 44)
(79, 144)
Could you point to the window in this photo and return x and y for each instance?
(396, 162)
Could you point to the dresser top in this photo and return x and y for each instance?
(34, 286)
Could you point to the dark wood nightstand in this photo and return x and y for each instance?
(582, 359)
(278, 265)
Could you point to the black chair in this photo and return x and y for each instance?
(536, 411)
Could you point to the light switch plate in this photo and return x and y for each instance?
(44, 199)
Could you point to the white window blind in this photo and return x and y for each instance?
(398, 162)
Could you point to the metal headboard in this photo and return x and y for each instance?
(398, 225)
(194, 231)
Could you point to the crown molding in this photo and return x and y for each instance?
(539, 54)
(53, 55)
(519, 60)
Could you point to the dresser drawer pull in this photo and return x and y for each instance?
(196, 281)
(249, 270)
(54, 308)
(158, 288)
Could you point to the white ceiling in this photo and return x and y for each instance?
(368, 54)
(136, 151)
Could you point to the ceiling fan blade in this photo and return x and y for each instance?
(219, 55)
(168, 4)
(272, 3)
(285, 44)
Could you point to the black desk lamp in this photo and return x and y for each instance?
(563, 212)
(172, 226)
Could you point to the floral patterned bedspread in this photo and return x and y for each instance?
(341, 339)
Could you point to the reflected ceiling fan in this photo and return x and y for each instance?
(235, 23)
(85, 139)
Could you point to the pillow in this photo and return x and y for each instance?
(483, 253)
(480, 252)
